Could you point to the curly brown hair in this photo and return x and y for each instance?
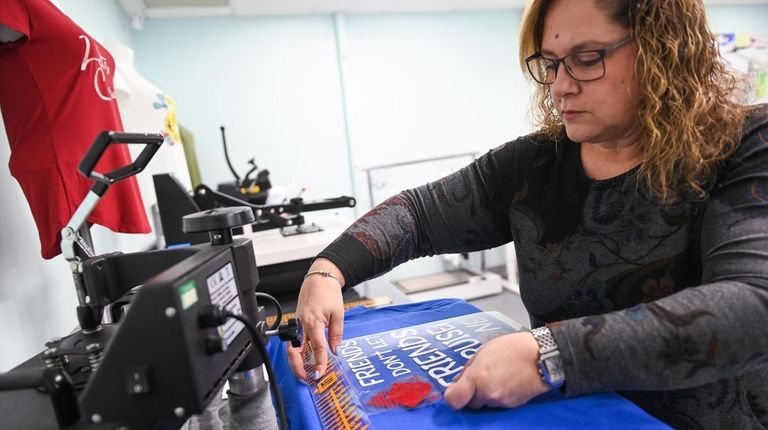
(689, 119)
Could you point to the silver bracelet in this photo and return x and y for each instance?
(323, 273)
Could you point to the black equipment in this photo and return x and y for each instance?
(252, 190)
(155, 345)
(174, 203)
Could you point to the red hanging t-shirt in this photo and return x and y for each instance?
(56, 96)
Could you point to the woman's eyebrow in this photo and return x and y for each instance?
(587, 44)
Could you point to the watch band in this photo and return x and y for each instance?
(545, 340)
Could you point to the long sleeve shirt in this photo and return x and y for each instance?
(667, 304)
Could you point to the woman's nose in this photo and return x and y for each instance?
(564, 83)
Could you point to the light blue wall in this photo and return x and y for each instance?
(430, 85)
(102, 19)
(751, 19)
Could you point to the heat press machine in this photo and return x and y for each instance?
(160, 332)
(174, 202)
(284, 241)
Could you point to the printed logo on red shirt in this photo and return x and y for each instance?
(103, 89)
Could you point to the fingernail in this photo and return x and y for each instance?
(317, 374)
(301, 381)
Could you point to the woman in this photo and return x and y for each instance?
(639, 213)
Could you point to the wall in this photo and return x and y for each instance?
(750, 19)
(102, 19)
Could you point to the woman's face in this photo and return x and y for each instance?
(602, 111)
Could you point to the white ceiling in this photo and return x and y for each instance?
(143, 9)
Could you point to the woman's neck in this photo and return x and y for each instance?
(607, 160)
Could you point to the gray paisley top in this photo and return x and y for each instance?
(668, 305)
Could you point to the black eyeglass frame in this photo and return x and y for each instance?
(602, 53)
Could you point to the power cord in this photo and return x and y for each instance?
(217, 316)
(274, 301)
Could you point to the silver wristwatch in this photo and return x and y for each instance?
(550, 362)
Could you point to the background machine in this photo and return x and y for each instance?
(160, 331)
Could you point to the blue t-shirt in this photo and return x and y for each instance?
(551, 410)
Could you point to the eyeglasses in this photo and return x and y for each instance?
(582, 66)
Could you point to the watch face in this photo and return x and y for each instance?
(554, 370)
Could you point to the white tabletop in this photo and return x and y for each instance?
(271, 247)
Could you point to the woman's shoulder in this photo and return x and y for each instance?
(752, 151)
(527, 147)
(757, 120)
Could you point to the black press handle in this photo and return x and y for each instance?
(104, 139)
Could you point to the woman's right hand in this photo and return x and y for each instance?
(320, 305)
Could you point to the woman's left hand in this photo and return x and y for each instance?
(503, 373)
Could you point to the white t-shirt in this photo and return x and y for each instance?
(146, 109)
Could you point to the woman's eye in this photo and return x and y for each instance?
(586, 60)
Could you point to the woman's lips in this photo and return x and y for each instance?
(569, 115)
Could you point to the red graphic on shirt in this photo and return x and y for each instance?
(410, 394)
